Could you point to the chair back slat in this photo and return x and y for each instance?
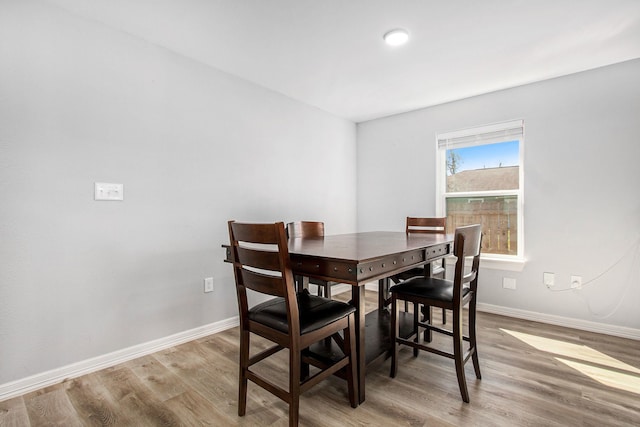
(256, 258)
(467, 244)
(472, 238)
(262, 283)
(305, 229)
(467, 278)
(261, 261)
(426, 225)
(256, 233)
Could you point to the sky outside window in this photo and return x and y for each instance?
(485, 156)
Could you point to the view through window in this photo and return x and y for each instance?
(480, 182)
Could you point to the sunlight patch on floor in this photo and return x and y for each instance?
(586, 360)
(605, 376)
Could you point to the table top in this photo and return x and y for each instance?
(360, 257)
(364, 246)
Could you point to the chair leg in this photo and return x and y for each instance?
(352, 369)
(416, 328)
(458, 353)
(294, 386)
(393, 335)
(327, 294)
(472, 337)
(395, 282)
(244, 365)
(304, 369)
(444, 316)
(426, 311)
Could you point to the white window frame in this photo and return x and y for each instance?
(481, 135)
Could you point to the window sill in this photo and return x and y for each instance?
(516, 264)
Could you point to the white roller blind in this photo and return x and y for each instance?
(499, 132)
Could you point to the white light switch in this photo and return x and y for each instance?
(108, 191)
(508, 283)
(208, 284)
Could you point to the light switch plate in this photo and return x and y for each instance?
(108, 191)
(208, 284)
(508, 283)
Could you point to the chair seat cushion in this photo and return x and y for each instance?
(427, 287)
(315, 312)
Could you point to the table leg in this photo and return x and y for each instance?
(383, 293)
(426, 310)
(303, 283)
(357, 299)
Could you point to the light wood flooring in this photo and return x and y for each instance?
(533, 375)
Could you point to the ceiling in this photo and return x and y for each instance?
(330, 53)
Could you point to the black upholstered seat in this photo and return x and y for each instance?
(315, 312)
(429, 288)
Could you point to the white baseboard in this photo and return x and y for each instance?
(567, 322)
(55, 376)
(74, 370)
(584, 325)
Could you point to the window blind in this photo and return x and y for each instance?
(499, 132)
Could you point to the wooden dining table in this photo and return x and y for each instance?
(360, 258)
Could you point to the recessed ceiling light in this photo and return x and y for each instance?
(396, 37)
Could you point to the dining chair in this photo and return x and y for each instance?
(310, 229)
(424, 226)
(452, 295)
(291, 320)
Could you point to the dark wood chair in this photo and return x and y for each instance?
(425, 226)
(291, 320)
(451, 295)
(310, 229)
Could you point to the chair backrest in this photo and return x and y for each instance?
(467, 245)
(261, 263)
(426, 225)
(305, 229)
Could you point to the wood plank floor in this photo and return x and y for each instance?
(533, 375)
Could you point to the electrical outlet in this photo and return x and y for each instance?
(548, 279)
(576, 282)
(508, 283)
(108, 191)
(208, 284)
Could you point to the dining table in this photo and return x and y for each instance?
(357, 259)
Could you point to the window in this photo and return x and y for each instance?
(480, 181)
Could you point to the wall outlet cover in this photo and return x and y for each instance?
(108, 191)
(576, 282)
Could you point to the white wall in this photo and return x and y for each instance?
(582, 198)
(194, 147)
